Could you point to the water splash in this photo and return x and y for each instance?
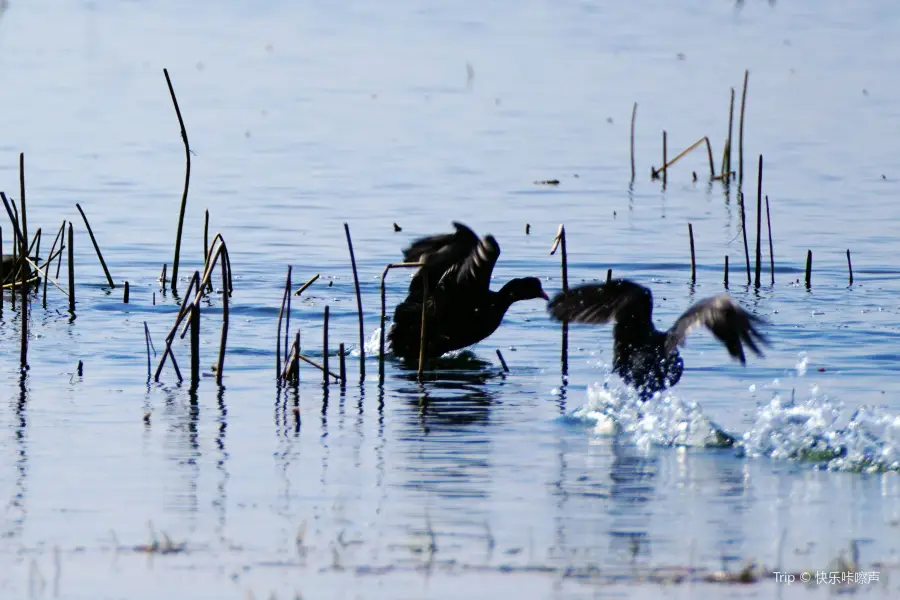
(664, 420)
(812, 430)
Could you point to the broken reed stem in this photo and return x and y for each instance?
(163, 277)
(744, 231)
(187, 181)
(712, 168)
(71, 265)
(633, 118)
(741, 130)
(849, 266)
(18, 241)
(362, 334)
(149, 343)
(195, 340)
(608, 275)
(313, 363)
(295, 360)
(342, 365)
(771, 249)
(182, 312)
(759, 220)
(808, 268)
(383, 320)
(693, 258)
(284, 298)
(726, 271)
(664, 173)
(325, 347)
(125, 299)
(22, 195)
(206, 242)
(306, 285)
(96, 247)
(502, 362)
(423, 331)
(287, 318)
(23, 350)
(35, 245)
(560, 242)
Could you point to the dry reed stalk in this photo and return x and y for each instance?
(187, 180)
(712, 169)
(849, 266)
(149, 344)
(384, 315)
(182, 313)
(808, 268)
(287, 291)
(125, 298)
(362, 334)
(71, 266)
(313, 363)
(608, 275)
(664, 173)
(96, 247)
(693, 257)
(206, 242)
(726, 271)
(162, 277)
(741, 131)
(502, 362)
(727, 169)
(560, 242)
(306, 285)
(195, 341)
(759, 220)
(295, 363)
(22, 196)
(771, 248)
(633, 118)
(325, 347)
(342, 366)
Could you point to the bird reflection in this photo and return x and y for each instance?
(447, 446)
(632, 474)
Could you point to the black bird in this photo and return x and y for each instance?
(461, 308)
(644, 357)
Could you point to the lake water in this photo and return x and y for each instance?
(478, 483)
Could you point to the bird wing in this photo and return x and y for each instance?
(603, 302)
(731, 324)
(459, 259)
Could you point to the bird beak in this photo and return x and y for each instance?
(545, 296)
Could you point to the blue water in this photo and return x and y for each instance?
(481, 483)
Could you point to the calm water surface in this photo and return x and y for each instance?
(477, 484)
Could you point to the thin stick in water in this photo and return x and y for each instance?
(22, 197)
(560, 242)
(287, 291)
(633, 118)
(808, 268)
(342, 365)
(849, 266)
(306, 285)
(693, 257)
(665, 171)
(759, 220)
(502, 362)
(325, 347)
(71, 265)
(162, 277)
(187, 181)
(771, 249)
(383, 321)
(726, 271)
(96, 247)
(125, 299)
(362, 334)
(608, 275)
(195, 342)
(727, 170)
(295, 359)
